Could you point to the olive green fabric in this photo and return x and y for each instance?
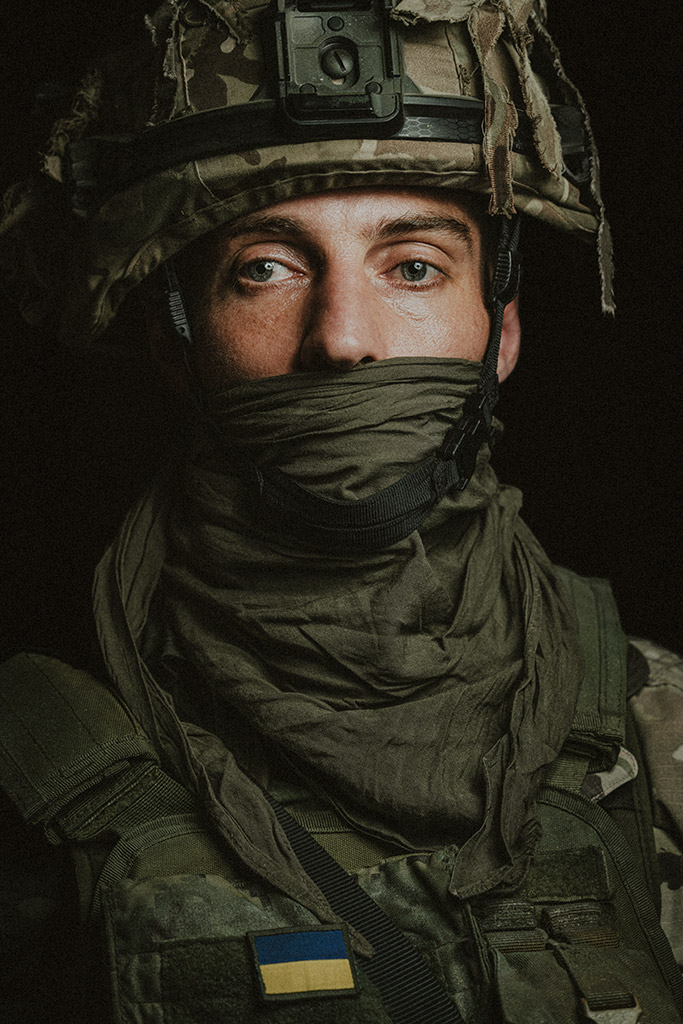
(421, 687)
(44, 769)
(177, 943)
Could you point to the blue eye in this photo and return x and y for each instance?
(260, 270)
(414, 270)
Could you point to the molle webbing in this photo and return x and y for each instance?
(581, 928)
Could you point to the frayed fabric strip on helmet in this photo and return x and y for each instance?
(604, 234)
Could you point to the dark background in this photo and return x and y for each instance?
(593, 411)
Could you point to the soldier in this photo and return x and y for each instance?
(355, 750)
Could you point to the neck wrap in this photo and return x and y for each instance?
(419, 688)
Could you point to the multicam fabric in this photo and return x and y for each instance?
(204, 54)
(597, 785)
(658, 711)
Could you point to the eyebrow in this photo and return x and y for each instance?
(263, 222)
(416, 224)
(383, 229)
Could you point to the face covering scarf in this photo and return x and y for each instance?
(419, 688)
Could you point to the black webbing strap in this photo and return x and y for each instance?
(410, 993)
(367, 525)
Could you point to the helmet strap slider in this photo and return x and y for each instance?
(463, 441)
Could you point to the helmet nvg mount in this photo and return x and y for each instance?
(222, 108)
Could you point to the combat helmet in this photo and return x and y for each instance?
(226, 106)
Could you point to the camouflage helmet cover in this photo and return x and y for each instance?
(205, 55)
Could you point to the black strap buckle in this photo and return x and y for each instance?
(463, 441)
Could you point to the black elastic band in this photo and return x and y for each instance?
(410, 992)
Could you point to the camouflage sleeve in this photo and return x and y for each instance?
(658, 711)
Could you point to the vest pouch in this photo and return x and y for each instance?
(580, 941)
(531, 985)
(533, 989)
(573, 985)
(573, 944)
(179, 952)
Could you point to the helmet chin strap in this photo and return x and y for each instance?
(394, 512)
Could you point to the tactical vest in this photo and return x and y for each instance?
(193, 938)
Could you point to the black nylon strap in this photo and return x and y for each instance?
(370, 524)
(410, 992)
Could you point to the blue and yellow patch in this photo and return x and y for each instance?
(296, 964)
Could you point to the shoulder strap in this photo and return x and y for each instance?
(630, 807)
(613, 669)
(599, 720)
(598, 728)
(72, 757)
(61, 732)
(74, 761)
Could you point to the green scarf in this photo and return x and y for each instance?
(420, 689)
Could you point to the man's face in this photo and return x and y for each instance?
(337, 279)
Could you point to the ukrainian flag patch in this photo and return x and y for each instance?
(298, 964)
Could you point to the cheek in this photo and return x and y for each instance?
(470, 332)
(469, 324)
(455, 327)
(236, 344)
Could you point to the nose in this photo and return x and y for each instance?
(344, 326)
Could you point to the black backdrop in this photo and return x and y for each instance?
(593, 411)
